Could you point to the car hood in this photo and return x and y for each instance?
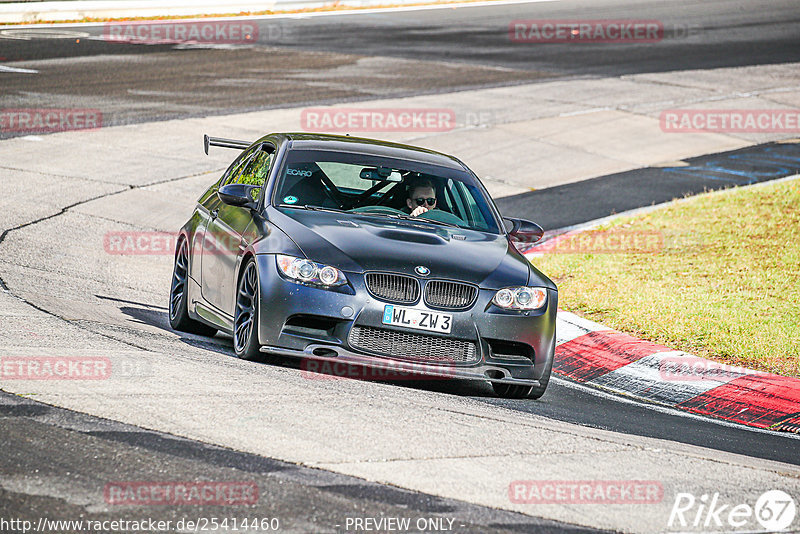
(359, 243)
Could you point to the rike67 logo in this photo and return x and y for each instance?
(774, 511)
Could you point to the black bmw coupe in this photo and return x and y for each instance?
(370, 253)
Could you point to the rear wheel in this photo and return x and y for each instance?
(178, 308)
(245, 321)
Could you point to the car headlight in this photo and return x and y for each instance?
(520, 298)
(309, 272)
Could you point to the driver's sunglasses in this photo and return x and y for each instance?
(421, 201)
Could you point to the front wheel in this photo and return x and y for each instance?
(538, 391)
(245, 321)
(511, 391)
(178, 308)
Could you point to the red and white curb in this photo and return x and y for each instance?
(595, 355)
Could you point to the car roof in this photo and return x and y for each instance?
(372, 147)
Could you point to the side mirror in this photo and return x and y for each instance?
(242, 195)
(522, 231)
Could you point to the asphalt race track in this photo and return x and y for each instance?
(326, 59)
(322, 451)
(554, 207)
(29, 427)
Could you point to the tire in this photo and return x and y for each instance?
(245, 321)
(511, 391)
(538, 391)
(178, 308)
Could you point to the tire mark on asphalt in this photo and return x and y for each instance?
(201, 460)
(62, 211)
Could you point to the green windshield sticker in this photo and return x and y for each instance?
(289, 200)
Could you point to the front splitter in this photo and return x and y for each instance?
(335, 354)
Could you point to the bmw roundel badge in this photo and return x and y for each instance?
(422, 270)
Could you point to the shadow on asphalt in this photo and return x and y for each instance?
(580, 202)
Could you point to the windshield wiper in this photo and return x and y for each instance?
(309, 207)
(418, 219)
(453, 225)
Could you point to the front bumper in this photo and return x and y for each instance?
(313, 323)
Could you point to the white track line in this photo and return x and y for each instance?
(4, 68)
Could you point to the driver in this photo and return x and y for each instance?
(421, 196)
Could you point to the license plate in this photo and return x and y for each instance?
(418, 319)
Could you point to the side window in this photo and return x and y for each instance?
(234, 170)
(255, 170)
(252, 170)
(473, 212)
(457, 201)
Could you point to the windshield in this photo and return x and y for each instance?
(385, 187)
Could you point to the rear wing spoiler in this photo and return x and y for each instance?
(227, 143)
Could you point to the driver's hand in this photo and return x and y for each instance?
(419, 210)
